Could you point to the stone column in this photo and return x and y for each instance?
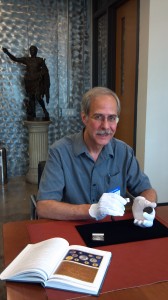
(38, 147)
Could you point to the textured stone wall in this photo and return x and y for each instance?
(61, 31)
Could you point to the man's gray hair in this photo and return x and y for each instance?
(94, 92)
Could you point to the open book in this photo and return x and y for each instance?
(55, 264)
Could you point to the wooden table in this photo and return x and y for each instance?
(16, 237)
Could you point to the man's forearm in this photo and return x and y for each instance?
(51, 209)
(150, 195)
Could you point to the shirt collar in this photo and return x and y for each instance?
(108, 150)
(79, 144)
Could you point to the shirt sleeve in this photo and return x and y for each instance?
(137, 181)
(52, 181)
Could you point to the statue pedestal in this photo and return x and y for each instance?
(38, 147)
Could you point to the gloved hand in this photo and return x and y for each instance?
(109, 204)
(143, 219)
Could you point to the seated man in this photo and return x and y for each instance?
(88, 173)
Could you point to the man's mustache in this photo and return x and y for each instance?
(104, 132)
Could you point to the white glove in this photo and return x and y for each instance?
(141, 218)
(109, 204)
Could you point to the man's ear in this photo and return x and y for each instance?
(84, 118)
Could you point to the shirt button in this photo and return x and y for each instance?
(94, 184)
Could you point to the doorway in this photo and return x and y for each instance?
(115, 64)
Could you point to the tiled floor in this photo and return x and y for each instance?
(14, 205)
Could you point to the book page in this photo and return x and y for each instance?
(83, 264)
(41, 257)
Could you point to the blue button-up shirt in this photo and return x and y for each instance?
(71, 175)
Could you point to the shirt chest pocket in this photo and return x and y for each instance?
(113, 183)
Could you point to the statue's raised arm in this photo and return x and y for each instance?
(11, 56)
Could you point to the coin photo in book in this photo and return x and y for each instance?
(82, 261)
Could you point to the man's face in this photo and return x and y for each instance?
(101, 123)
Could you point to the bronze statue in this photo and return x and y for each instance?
(37, 81)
